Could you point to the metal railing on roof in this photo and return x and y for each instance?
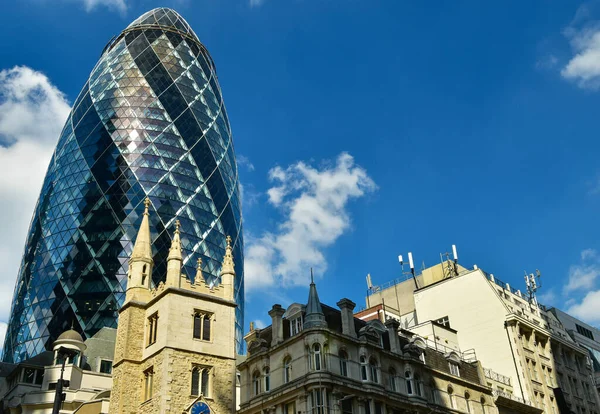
(493, 375)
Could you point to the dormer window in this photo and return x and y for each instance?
(454, 370)
(296, 325)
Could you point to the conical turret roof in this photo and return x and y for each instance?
(142, 250)
(314, 316)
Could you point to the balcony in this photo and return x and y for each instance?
(509, 395)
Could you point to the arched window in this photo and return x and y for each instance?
(204, 385)
(343, 363)
(410, 387)
(317, 356)
(196, 381)
(418, 385)
(200, 378)
(450, 396)
(467, 405)
(363, 368)
(287, 369)
(373, 369)
(267, 376)
(144, 274)
(482, 402)
(393, 382)
(434, 393)
(256, 382)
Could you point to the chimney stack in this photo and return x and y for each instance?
(347, 308)
(392, 326)
(276, 314)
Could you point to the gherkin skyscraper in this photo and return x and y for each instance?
(149, 122)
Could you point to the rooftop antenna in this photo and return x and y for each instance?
(450, 268)
(533, 283)
(455, 255)
(412, 268)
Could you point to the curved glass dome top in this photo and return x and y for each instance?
(165, 18)
(149, 122)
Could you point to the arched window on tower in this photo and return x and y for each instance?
(410, 387)
(363, 368)
(393, 380)
(287, 369)
(373, 369)
(256, 383)
(317, 357)
(267, 376)
(343, 363)
(144, 274)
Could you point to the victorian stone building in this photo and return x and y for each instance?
(175, 343)
(319, 359)
(516, 338)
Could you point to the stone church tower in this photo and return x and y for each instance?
(175, 343)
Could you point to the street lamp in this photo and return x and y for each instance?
(64, 353)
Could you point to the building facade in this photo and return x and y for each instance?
(149, 122)
(585, 335)
(314, 358)
(514, 337)
(31, 384)
(175, 343)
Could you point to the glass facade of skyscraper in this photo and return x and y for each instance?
(149, 122)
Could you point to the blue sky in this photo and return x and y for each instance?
(366, 129)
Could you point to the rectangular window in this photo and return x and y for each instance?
(454, 370)
(39, 376)
(206, 328)
(202, 325)
(152, 328)
(28, 375)
(318, 399)
(295, 325)
(197, 326)
(105, 366)
(378, 407)
(289, 408)
(148, 376)
(347, 406)
(584, 331)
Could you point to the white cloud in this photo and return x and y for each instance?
(314, 204)
(584, 274)
(547, 62)
(259, 324)
(589, 308)
(584, 36)
(3, 327)
(256, 3)
(244, 161)
(584, 67)
(32, 114)
(118, 5)
(547, 298)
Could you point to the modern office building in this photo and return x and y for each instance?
(318, 359)
(149, 122)
(585, 335)
(514, 337)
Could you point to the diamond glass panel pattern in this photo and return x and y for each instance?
(150, 122)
